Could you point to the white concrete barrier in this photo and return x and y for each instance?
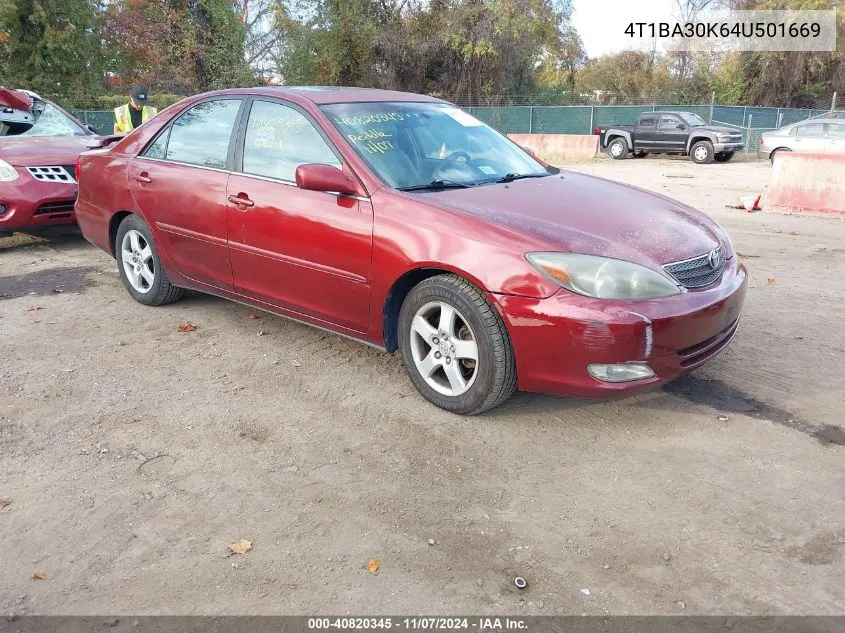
(807, 183)
(559, 148)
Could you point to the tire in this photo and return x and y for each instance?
(483, 383)
(723, 157)
(139, 265)
(775, 151)
(618, 148)
(702, 152)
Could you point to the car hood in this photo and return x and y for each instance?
(573, 212)
(30, 151)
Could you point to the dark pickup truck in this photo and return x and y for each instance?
(672, 133)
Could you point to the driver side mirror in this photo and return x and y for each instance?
(316, 177)
(91, 128)
(682, 126)
(529, 151)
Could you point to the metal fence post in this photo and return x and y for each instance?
(531, 119)
(780, 117)
(748, 135)
(744, 114)
(712, 103)
(833, 103)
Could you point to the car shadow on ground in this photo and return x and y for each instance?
(57, 238)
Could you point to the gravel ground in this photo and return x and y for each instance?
(133, 454)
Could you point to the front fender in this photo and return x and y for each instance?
(692, 140)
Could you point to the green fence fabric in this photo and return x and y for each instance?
(582, 119)
(516, 120)
(101, 120)
(561, 119)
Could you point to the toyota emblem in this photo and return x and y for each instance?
(713, 259)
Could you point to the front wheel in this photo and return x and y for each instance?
(702, 152)
(455, 347)
(723, 157)
(618, 148)
(139, 265)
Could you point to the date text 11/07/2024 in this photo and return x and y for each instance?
(479, 624)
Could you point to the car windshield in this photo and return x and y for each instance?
(414, 145)
(691, 119)
(50, 121)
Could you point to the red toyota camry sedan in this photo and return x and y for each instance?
(402, 221)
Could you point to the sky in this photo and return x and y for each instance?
(601, 23)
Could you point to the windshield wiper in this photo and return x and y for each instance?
(512, 176)
(437, 184)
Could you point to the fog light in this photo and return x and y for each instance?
(620, 372)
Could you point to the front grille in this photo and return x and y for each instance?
(699, 271)
(60, 208)
(699, 353)
(53, 173)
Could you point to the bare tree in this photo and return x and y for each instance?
(688, 11)
(262, 39)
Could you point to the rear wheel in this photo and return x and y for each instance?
(723, 157)
(455, 347)
(139, 265)
(618, 148)
(779, 149)
(702, 152)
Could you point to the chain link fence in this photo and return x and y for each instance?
(100, 120)
(583, 119)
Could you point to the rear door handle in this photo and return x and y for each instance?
(143, 178)
(242, 201)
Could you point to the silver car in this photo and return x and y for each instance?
(821, 136)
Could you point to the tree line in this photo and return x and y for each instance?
(472, 51)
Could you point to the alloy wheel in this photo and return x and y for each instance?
(137, 258)
(444, 348)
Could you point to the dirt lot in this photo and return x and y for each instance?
(134, 454)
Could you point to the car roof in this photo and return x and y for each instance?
(323, 95)
(804, 122)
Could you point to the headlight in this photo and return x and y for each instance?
(7, 172)
(603, 277)
(723, 139)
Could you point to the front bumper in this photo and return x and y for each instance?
(764, 153)
(32, 204)
(555, 339)
(727, 147)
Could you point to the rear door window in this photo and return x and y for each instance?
(201, 135)
(648, 120)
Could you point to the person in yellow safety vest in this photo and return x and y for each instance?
(130, 115)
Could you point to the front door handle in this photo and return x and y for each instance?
(242, 201)
(143, 178)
